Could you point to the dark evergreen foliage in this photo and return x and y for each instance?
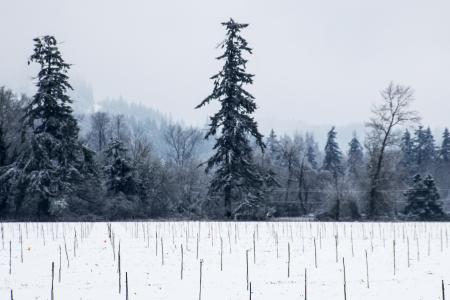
(424, 148)
(118, 169)
(333, 155)
(423, 200)
(444, 151)
(235, 172)
(273, 146)
(311, 152)
(153, 168)
(408, 155)
(355, 157)
(3, 146)
(333, 164)
(44, 177)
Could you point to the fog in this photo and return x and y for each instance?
(316, 62)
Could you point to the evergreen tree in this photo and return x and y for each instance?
(424, 148)
(3, 146)
(423, 200)
(273, 145)
(10, 115)
(408, 156)
(118, 169)
(333, 155)
(355, 156)
(419, 141)
(333, 164)
(311, 151)
(44, 177)
(430, 147)
(444, 152)
(235, 171)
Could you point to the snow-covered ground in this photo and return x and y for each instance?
(151, 258)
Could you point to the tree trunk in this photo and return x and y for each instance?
(288, 184)
(227, 202)
(338, 198)
(374, 184)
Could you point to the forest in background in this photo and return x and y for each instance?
(59, 161)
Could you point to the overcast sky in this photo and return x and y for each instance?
(319, 62)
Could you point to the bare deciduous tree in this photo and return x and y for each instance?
(99, 130)
(139, 145)
(182, 143)
(119, 127)
(291, 150)
(394, 111)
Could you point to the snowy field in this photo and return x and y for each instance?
(161, 260)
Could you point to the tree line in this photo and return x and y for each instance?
(51, 170)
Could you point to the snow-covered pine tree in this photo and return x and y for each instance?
(333, 155)
(121, 182)
(311, 151)
(424, 148)
(235, 174)
(355, 157)
(118, 169)
(423, 200)
(430, 147)
(45, 175)
(407, 161)
(444, 151)
(3, 146)
(273, 146)
(9, 115)
(333, 164)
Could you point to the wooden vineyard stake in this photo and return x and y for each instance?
(345, 280)
(126, 285)
(367, 270)
(306, 283)
(200, 288)
(181, 272)
(246, 260)
(289, 260)
(53, 277)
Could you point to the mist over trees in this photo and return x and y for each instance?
(65, 157)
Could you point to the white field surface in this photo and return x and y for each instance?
(92, 271)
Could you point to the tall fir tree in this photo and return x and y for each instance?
(333, 164)
(423, 200)
(444, 151)
(430, 147)
(355, 157)
(44, 178)
(333, 155)
(235, 172)
(407, 161)
(118, 169)
(273, 145)
(424, 149)
(3, 146)
(311, 151)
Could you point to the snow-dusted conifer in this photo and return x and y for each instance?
(235, 174)
(333, 155)
(407, 150)
(45, 175)
(118, 169)
(355, 157)
(424, 148)
(423, 200)
(444, 151)
(311, 151)
(3, 146)
(273, 146)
